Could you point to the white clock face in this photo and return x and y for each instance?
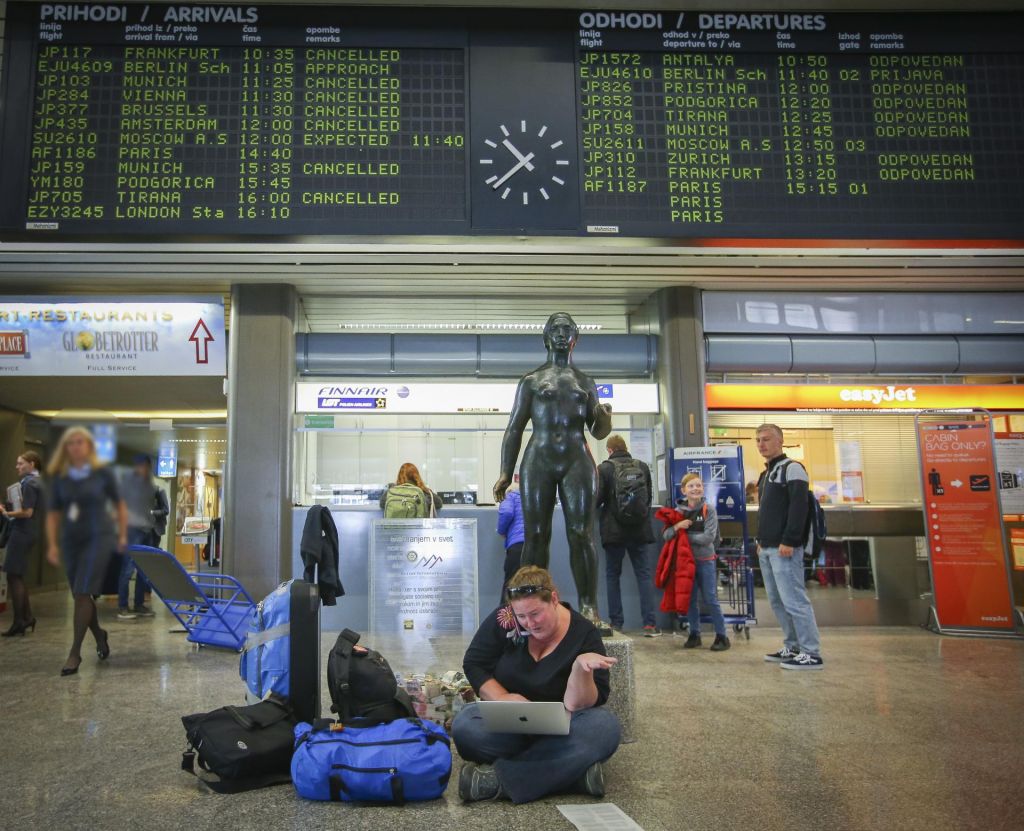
(524, 164)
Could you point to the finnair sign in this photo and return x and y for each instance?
(394, 396)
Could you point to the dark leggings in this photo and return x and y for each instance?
(85, 620)
(513, 562)
(20, 602)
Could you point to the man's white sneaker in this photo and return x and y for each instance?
(803, 661)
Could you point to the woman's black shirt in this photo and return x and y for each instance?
(499, 650)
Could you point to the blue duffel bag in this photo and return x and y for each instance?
(405, 760)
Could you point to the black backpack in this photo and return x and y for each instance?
(815, 528)
(630, 505)
(362, 684)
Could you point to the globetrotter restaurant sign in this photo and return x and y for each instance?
(42, 336)
(863, 397)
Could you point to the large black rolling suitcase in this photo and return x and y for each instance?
(282, 649)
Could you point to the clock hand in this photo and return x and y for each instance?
(512, 149)
(524, 162)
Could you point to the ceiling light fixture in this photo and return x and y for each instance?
(463, 327)
(146, 415)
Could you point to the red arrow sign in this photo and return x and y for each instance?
(201, 339)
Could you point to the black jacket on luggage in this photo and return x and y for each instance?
(319, 551)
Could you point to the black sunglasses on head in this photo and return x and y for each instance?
(523, 591)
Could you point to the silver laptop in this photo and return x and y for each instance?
(538, 718)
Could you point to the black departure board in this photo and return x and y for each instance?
(170, 121)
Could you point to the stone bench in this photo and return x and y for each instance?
(622, 700)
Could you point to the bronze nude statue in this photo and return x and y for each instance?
(561, 400)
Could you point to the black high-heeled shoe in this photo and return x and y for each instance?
(65, 671)
(103, 651)
(30, 624)
(17, 628)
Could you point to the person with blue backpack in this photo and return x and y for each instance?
(783, 522)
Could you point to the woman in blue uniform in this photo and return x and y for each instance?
(81, 526)
(24, 525)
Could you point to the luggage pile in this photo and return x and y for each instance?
(387, 745)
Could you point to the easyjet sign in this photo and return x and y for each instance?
(876, 395)
(880, 398)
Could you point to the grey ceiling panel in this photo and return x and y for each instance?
(327, 354)
(992, 355)
(428, 354)
(510, 355)
(618, 355)
(748, 353)
(916, 354)
(832, 354)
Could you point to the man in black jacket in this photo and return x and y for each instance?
(620, 536)
(781, 536)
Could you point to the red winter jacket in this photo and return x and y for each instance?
(676, 568)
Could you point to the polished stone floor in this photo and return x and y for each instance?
(903, 730)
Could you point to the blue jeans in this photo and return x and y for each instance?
(706, 584)
(787, 595)
(136, 536)
(614, 555)
(530, 767)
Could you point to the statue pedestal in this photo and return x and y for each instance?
(622, 700)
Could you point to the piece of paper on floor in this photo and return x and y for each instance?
(605, 816)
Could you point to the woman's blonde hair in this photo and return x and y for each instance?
(60, 463)
(532, 577)
(408, 474)
(689, 477)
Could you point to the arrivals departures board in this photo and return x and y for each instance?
(157, 121)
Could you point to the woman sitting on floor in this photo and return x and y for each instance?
(536, 649)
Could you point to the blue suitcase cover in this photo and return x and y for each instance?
(266, 657)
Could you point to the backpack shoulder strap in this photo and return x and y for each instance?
(343, 649)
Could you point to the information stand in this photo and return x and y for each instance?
(963, 518)
(721, 470)
(422, 583)
(193, 532)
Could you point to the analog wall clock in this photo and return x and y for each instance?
(523, 163)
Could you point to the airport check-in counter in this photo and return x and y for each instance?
(898, 577)
(886, 538)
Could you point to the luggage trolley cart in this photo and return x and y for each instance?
(214, 609)
(738, 600)
(721, 469)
